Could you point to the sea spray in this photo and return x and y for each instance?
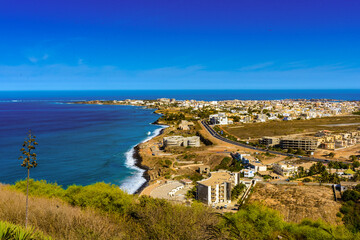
(136, 180)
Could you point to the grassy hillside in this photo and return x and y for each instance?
(280, 128)
(102, 211)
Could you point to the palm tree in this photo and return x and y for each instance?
(29, 161)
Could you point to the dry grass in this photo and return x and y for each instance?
(279, 128)
(57, 219)
(298, 202)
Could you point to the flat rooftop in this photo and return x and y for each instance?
(216, 178)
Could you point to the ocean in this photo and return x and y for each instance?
(78, 144)
(207, 95)
(84, 144)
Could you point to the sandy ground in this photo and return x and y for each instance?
(298, 202)
(341, 154)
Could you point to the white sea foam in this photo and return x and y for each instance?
(136, 180)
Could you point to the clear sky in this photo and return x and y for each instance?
(179, 44)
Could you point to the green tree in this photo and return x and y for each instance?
(236, 119)
(191, 193)
(300, 152)
(356, 164)
(352, 158)
(168, 163)
(331, 155)
(29, 161)
(237, 190)
(350, 195)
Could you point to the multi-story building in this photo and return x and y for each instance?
(218, 119)
(307, 144)
(270, 141)
(217, 188)
(180, 141)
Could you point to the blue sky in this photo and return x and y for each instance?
(180, 44)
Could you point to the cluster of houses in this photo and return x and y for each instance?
(327, 140)
(255, 110)
(217, 187)
(323, 139)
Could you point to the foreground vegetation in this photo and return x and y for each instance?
(103, 211)
(10, 231)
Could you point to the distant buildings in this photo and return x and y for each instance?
(330, 141)
(218, 119)
(180, 141)
(307, 144)
(304, 143)
(270, 141)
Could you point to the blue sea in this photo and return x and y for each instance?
(83, 144)
(78, 144)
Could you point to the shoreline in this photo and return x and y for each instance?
(136, 157)
(139, 160)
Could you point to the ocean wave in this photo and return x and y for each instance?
(136, 180)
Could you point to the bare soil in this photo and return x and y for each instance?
(298, 202)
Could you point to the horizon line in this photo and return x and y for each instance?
(246, 89)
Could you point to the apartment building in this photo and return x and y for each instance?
(307, 144)
(217, 188)
(270, 141)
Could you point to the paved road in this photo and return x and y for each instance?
(216, 135)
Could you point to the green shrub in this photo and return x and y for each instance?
(168, 163)
(149, 218)
(237, 190)
(306, 180)
(40, 188)
(102, 196)
(351, 218)
(106, 197)
(309, 229)
(350, 195)
(191, 193)
(10, 231)
(252, 222)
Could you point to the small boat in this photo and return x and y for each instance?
(148, 133)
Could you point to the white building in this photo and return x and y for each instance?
(217, 188)
(248, 173)
(257, 166)
(284, 169)
(180, 141)
(219, 119)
